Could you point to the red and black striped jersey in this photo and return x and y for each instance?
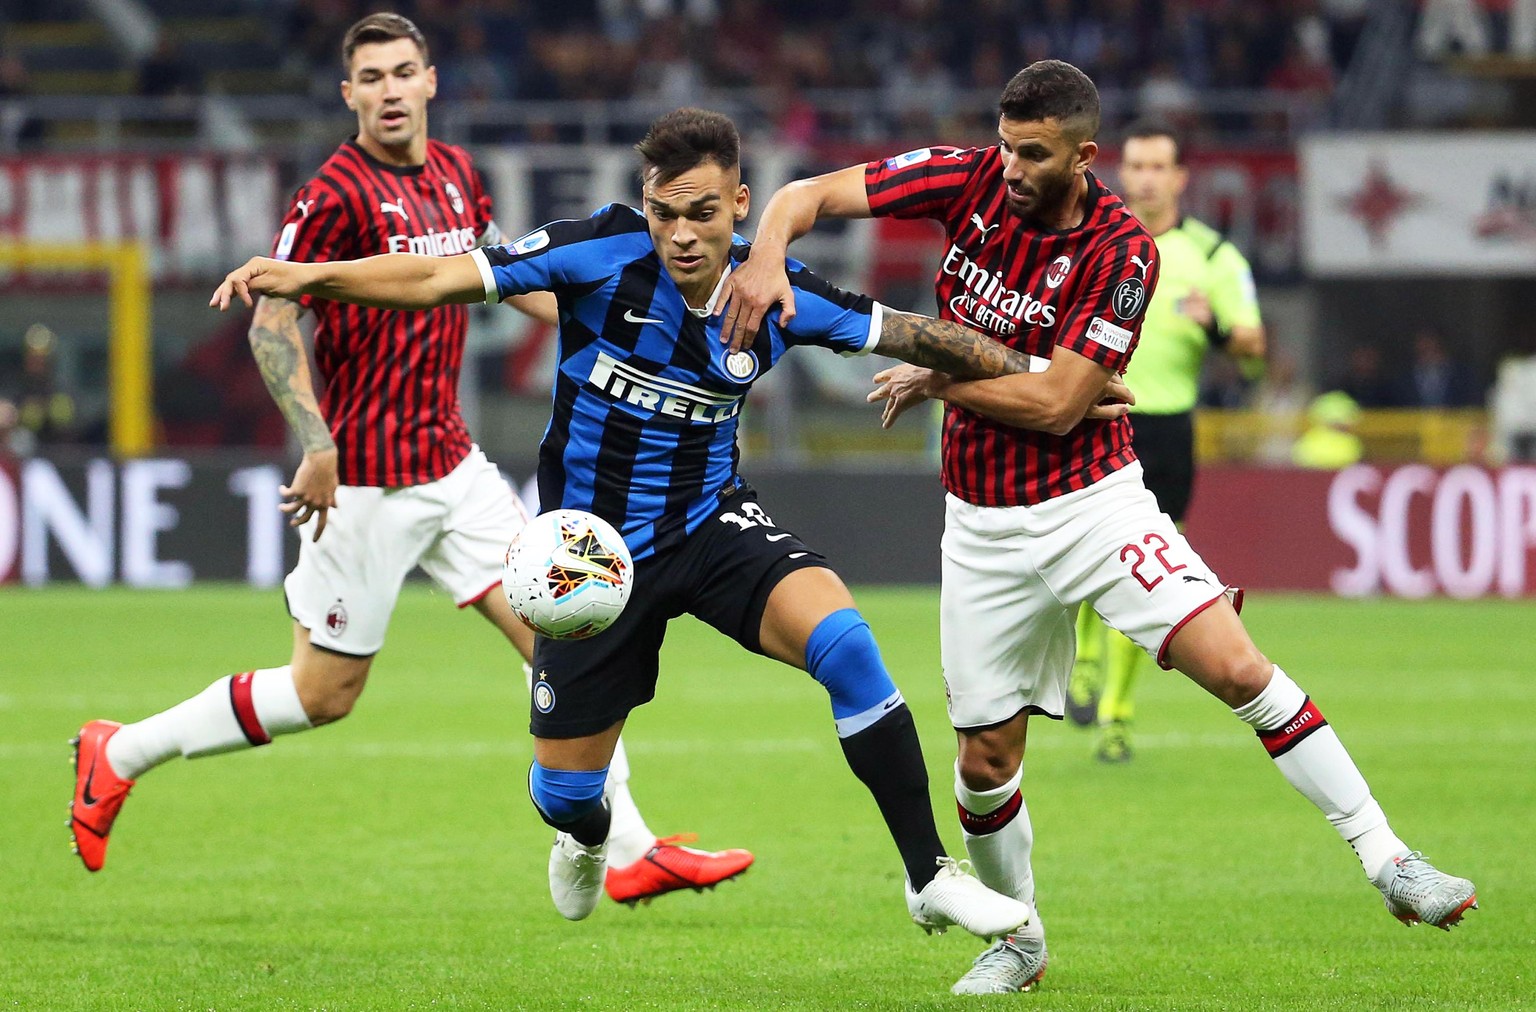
(390, 378)
(1034, 289)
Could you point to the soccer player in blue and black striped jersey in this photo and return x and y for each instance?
(643, 434)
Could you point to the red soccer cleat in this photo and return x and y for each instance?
(668, 866)
(99, 793)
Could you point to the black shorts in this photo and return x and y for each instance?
(1165, 445)
(723, 574)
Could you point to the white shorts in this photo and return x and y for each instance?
(456, 528)
(1014, 576)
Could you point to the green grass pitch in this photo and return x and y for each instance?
(394, 860)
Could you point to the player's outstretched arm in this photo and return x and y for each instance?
(390, 281)
(947, 347)
(278, 346)
(754, 288)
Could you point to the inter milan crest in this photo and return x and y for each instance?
(741, 366)
(543, 697)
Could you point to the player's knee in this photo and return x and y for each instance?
(842, 655)
(326, 704)
(565, 796)
(989, 759)
(983, 769)
(1241, 676)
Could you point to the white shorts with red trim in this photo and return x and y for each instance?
(1014, 576)
(456, 528)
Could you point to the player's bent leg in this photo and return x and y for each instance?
(493, 605)
(1214, 649)
(810, 622)
(566, 784)
(328, 683)
(235, 712)
(999, 837)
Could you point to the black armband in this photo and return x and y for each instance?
(1217, 337)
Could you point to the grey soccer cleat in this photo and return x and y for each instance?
(957, 897)
(1415, 890)
(576, 876)
(1014, 963)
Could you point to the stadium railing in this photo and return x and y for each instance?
(1390, 435)
(130, 355)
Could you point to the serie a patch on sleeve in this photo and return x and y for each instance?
(285, 241)
(531, 243)
(909, 158)
(1109, 335)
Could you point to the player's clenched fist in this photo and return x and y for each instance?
(260, 276)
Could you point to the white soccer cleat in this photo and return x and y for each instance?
(1014, 963)
(957, 897)
(1416, 891)
(576, 876)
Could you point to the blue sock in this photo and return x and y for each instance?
(571, 801)
(842, 655)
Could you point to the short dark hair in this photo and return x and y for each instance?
(381, 27)
(1051, 89)
(1144, 129)
(686, 138)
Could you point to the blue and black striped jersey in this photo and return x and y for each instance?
(646, 398)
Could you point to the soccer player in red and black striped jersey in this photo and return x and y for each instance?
(1046, 509)
(386, 447)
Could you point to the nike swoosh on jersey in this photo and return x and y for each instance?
(780, 537)
(629, 314)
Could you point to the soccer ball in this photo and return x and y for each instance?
(568, 574)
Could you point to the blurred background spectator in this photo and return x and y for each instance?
(1330, 442)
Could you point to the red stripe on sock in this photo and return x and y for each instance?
(245, 709)
(1294, 731)
(981, 825)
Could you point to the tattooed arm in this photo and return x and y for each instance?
(949, 354)
(278, 345)
(946, 347)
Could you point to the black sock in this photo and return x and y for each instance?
(591, 829)
(588, 830)
(888, 759)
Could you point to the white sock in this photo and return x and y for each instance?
(1000, 852)
(628, 836)
(1312, 758)
(235, 712)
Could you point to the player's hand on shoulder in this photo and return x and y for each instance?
(749, 294)
(313, 491)
(258, 276)
(905, 386)
(1114, 403)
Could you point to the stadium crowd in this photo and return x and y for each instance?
(920, 56)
